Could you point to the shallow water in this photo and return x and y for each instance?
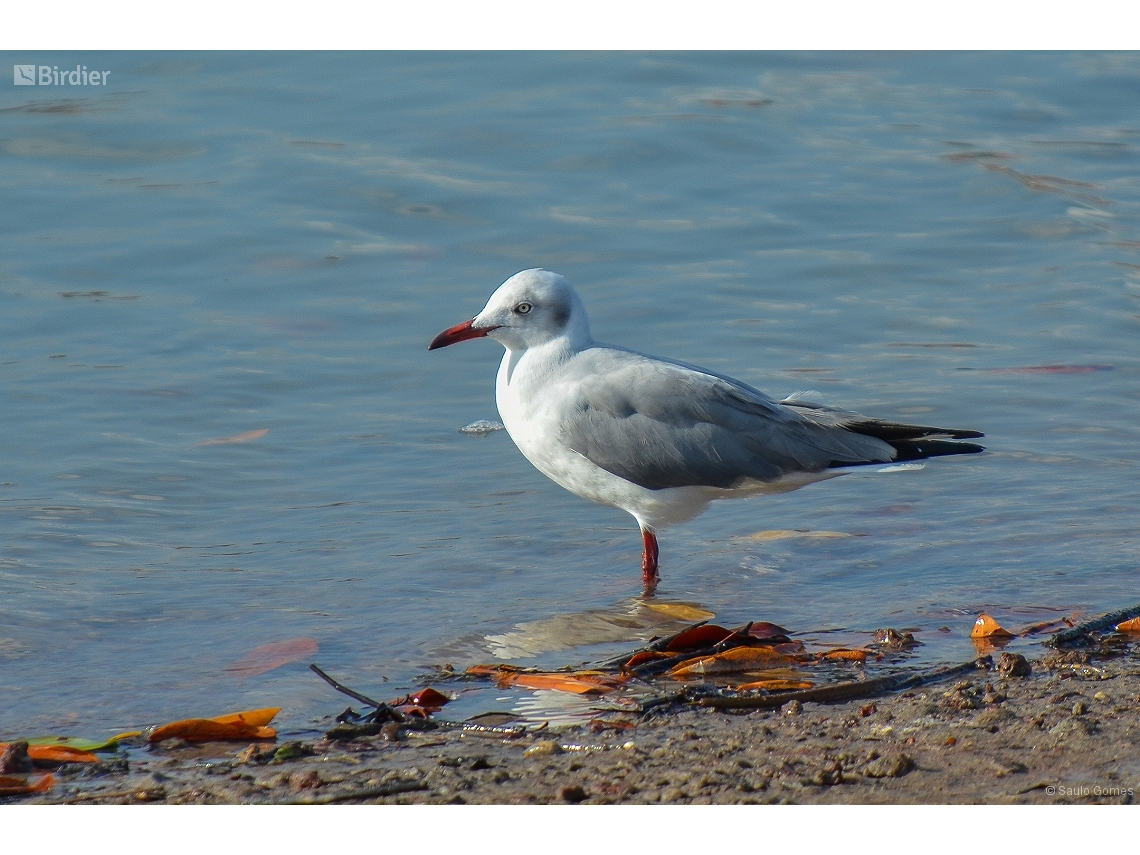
(216, 245)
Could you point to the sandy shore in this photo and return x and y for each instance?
(1067, 733)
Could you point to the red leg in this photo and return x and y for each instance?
(649, 574)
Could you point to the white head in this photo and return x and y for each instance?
(529, 309)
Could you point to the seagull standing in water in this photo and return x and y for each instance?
(658, 438)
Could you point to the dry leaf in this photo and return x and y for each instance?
(847, 654)
(57, 754)
(698, 637)
(643, 657)
(426, 700)
(737, 659)
(986, 627)
(763, 629)
(680, 611)
(273, 655)
(1129, 625)
(580, 682)
(235, 726)
(18, 785)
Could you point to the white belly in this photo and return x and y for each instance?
(536, 430)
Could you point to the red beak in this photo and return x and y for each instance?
(458, 333)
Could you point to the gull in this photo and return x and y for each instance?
(658, 438)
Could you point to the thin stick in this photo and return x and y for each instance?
(1083, 629)
(840, 691)
(364, 699)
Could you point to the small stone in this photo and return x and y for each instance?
(893, 765)
(305, 781)
(892, 639)
(1013, 665)
(828, 776)
(1100, 696)
(15, 759)
(478, 764)
(792, 708)
(950, 741)
(543, 748)
(393, 731)
(869, 709)
(574, 794)
(1079, 708)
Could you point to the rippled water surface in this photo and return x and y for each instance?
(258, 247)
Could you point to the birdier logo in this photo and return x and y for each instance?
(51, 75)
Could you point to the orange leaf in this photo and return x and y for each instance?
(60, 754)
(737, 659)
(1129, 625)
(17, 785)
(643, 657)
(273, 655)
(236, 726)
(237, 437)
(254, 718)
(580, 683)
(846, 653)
(777, 685)
(986, 627)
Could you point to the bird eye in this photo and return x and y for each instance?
(522, 308)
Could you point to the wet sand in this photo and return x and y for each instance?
(1067, 733)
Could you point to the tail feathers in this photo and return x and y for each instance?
(893, 432)
(916, 442)
(920, 449)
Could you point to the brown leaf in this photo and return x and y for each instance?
(737, 659)
(580, 682)
(18, 785)
(846, 653)
(273, 655)
(1129, 625)
(698, 637)
(426, 700)
(763, 629)
(250, 724)
(643, 657)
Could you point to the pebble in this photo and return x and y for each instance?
(543, 748)
(893, 765)
(1013, 665)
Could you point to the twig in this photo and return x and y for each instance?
(364, 699)
(1082, 630)
(841, 691)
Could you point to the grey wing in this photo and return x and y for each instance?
(661, 424)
